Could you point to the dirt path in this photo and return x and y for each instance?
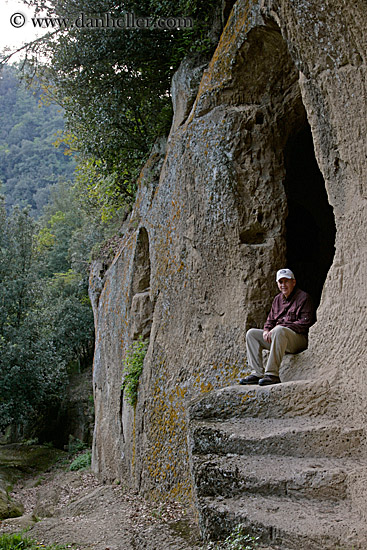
(79, 511)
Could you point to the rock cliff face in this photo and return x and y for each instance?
(267, 169)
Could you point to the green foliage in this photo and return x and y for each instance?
(81, 462)
(30, 165)
(133, 367)
(75, 445)
(46, 321)
(32, 374)
(31, 442)
(19, 542)
(237, 540)
(114, 85)
(103, 190)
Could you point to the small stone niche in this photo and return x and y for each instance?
(141, 310)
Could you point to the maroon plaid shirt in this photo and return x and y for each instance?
(295, 312)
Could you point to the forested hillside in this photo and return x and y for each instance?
(30, 164)
(46, 238)
(46, 322)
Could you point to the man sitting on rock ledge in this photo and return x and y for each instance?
(285, 330)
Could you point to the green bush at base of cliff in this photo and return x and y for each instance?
(133, 367)
(237, 540)
(75, 445)
(18, 542)
(81, 462)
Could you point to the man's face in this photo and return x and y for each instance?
(286, 286)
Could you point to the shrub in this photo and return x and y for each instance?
(237, 540)
(81, 462)
(133, 367)
(75, 445)
(10, 542)
(18, 542)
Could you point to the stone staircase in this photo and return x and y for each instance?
(279, 460)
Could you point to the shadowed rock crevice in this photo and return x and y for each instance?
(253, 235)
(310, 222)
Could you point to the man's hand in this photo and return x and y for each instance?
(267, 336)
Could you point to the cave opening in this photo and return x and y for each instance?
(310, 224)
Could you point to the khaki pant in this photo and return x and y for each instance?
(283, 340)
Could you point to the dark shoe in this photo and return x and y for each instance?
(250, 379)
(268, 380)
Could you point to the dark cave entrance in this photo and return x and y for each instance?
(310, 224)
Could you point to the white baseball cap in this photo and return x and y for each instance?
(286, 273)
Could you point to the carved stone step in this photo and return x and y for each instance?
(295, 398)
(292, 477)
(300, 437)
(285, 523)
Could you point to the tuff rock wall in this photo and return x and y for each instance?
(196, 263)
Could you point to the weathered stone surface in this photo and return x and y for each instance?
(17, 461)
(303, 437)
(9, 508)
(278, 401)
(141, 315)
(286, 83)
(233, 475)
(285, 525)
(184, 87)
(275, 473)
